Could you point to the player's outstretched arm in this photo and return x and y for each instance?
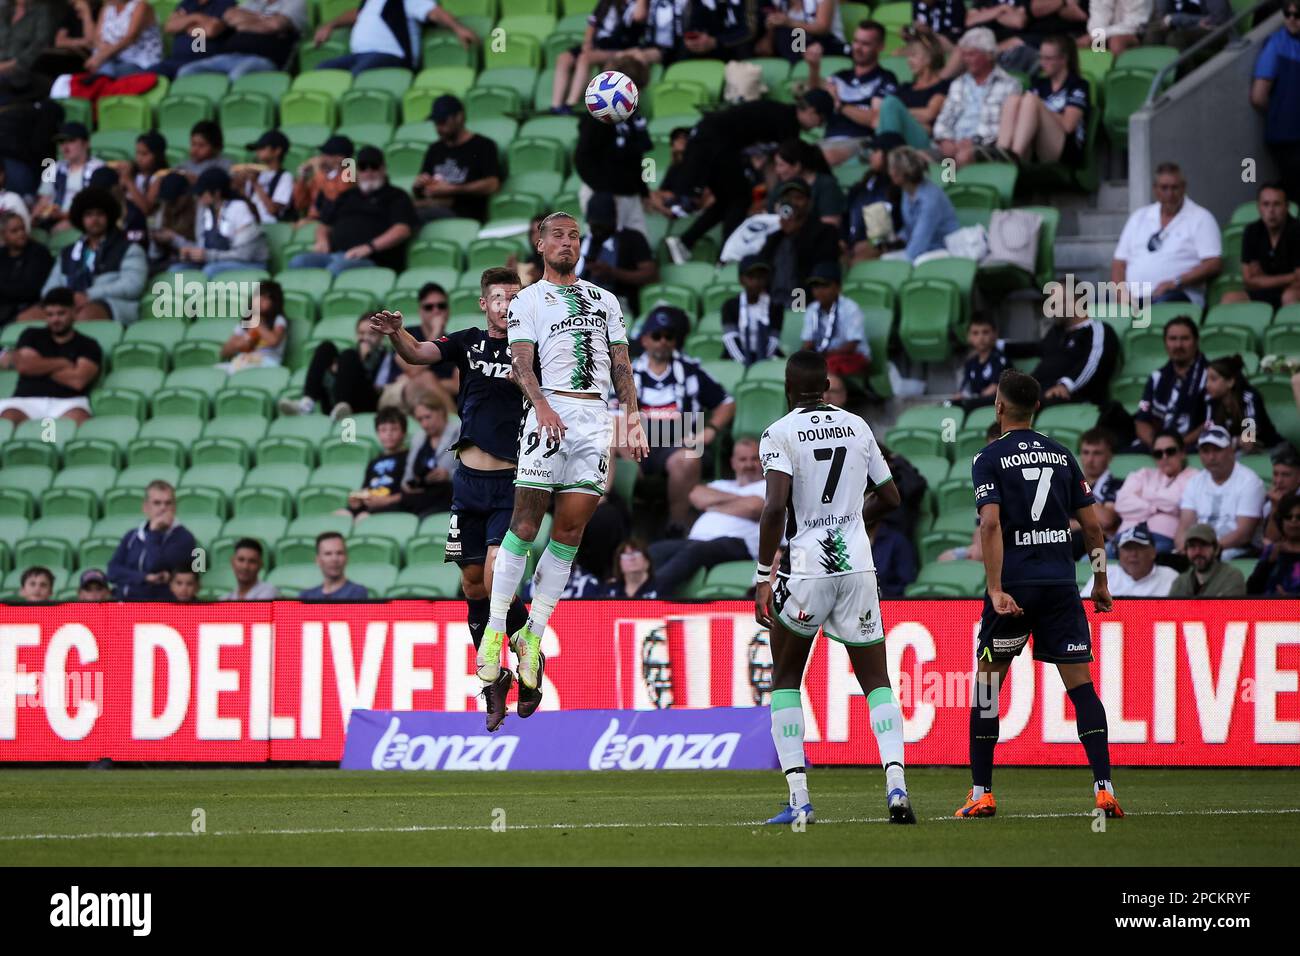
(991, 543)
(404, 343)
(769, 539)
(1094, 543)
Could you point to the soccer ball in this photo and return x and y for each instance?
(612, 97)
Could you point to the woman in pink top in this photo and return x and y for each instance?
(1152, 494)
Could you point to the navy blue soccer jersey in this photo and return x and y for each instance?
(1039, 486)
(489, 403)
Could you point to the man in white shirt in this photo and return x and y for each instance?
(726, 531)
(1227, 496)
(1170, 249)
(1138, 575)
(375, 43)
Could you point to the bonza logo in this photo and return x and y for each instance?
(397, 750)
(74, 908)
(678, 751)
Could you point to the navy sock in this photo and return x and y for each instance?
(516, 616)
(984, 729)
(477, 618)
(1090, 716)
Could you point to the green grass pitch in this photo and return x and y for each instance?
(328, 817)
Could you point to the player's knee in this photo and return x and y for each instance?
(524, 527)
(473, 590)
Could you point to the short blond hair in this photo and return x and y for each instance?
(910, 164)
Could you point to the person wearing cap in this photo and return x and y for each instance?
(228, 233)
(859, 90)
(1153, 495)
(796, 159)
(378, 38)
(673, 393)
(368, 226)
(859, 229)
(1278, 572)
(56, 366)
(928, 213)
(1227, 495)
(1138, 575)
(29, 29)
(752, 322)
(260, 36)
(93, 587)
(320, 179)
(105, 270)
(206, 143)
(71, 174)
(619, 260)
(270, 189)
(461, 169)
(24, 266)
(1286, 481)
(800, 242)
(1207, 576)
(834, 325)
(181, 25)
(966, 129)
(127, 39)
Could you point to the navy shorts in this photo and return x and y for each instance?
(482, 503)
(1053, 614)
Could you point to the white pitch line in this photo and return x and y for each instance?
(460, 828)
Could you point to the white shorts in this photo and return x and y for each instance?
(39, 408)
(577, 462)
(846, 607)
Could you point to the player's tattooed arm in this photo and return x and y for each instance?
(620, 373)
(407, 348)
(522, 355)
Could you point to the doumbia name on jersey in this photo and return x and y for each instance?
(1034, 458)
(1053, 536)
(821, 434)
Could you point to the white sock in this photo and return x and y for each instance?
(787, 734)
(549, 581)
(887, 722)
(976, 791)
(1099, 785)
(507, 572)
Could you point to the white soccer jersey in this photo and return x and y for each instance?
(573, 327)
(830, 454)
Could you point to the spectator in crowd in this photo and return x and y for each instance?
(1118, 22)
(1208, 576)
(876, 193)
(206, 143)
(1138, 575)
(29, 123)
(36, 585)
(438, 382)
(796, 159)
(1170, 249)
(247, 562)
(183, 585)
(1077, 358)
(1096, 450)
(1180, 23)
(1270, 250)
(752, 322)
(837, 393)
(29, 28)
(461, 169)
(796, 25)
(270, 190)
(426, 482)
(613, 26)
(672, 393)
(259, 340)
(1057, 18)
(1050, 124)
(368, 226)
(343, 381)
(1005, 19)
(800, 242)
(967, 127)
(928, 213)
(173, 221)
(1173, 398)
(608, 156)
(1153, 495)
(1275, 92)
(975, 550)
(104, 269)
(93, 587)
(261, 37)
(911, 110)
(984, 364)
(141, 567)
(911, 487)
(381, 486)
(859, 90)
(894, 557)
(673, 187)
(1286, 481)
(942, 22)
(190, 20)
(127, 39)
(1227, 495)
(386, 34)
(1278, 572)
(332, 559)
(1234, 404)
(56, 365)
(24, 267)
(140, 179)
(131, 221)
(228, 232)
(321, 180)
(619, 260)
(11, 202)
(634, 572)
(73, 41)
(71, 175)
(834, 324)
(727, 528)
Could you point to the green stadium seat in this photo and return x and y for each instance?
(295, 577)
(487, 253)
(1222, 340)
(1095, 64)
(125, 113)
(45, 553)
(261, 499)
(1256, 317)
(503, 207)
(311, 525)
(220, 451)
(172, 401)
(58, 431)
(1001, 176)
(295, 548)
(118, 402)
(968, 576)
(311, 428)
(452, 78)
(307, 108)
(682, 296)
(675, 99)
(145, 381)
(396, 526)
(377, 578)
(19, 503)
(910, 442)
(286, 450)
(155, 451)
(182, 429)
(427, 551)
(272, 380)
(138, 355)
(116, 502)
(270, 84)
(96, 552)
(333, 83)
(178, 114)
(441, 49)
(928, 309)
(197, 501)
(391, 80)
(211, 86)
(338, 476)
(112, 144)
(290, 478)
(758, 404)
(21, 452)
(364, 549)
(1125, 91)
(249, 429)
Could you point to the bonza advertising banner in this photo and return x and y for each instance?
(1184, 682)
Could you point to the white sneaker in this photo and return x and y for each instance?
(296, 406)
(677, 249)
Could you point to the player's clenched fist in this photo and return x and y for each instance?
(385, 322)
(1004, 603)
(1101, 599)
(763, 603)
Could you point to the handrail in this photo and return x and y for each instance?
(1228, 27)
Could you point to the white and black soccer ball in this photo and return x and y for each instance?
(612, 97)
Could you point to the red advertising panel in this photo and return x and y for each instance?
(1184, 682)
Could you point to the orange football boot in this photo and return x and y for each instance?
(985, 806)
(1106, 801)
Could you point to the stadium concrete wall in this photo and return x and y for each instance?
(1206, 124)
(1184, 682)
